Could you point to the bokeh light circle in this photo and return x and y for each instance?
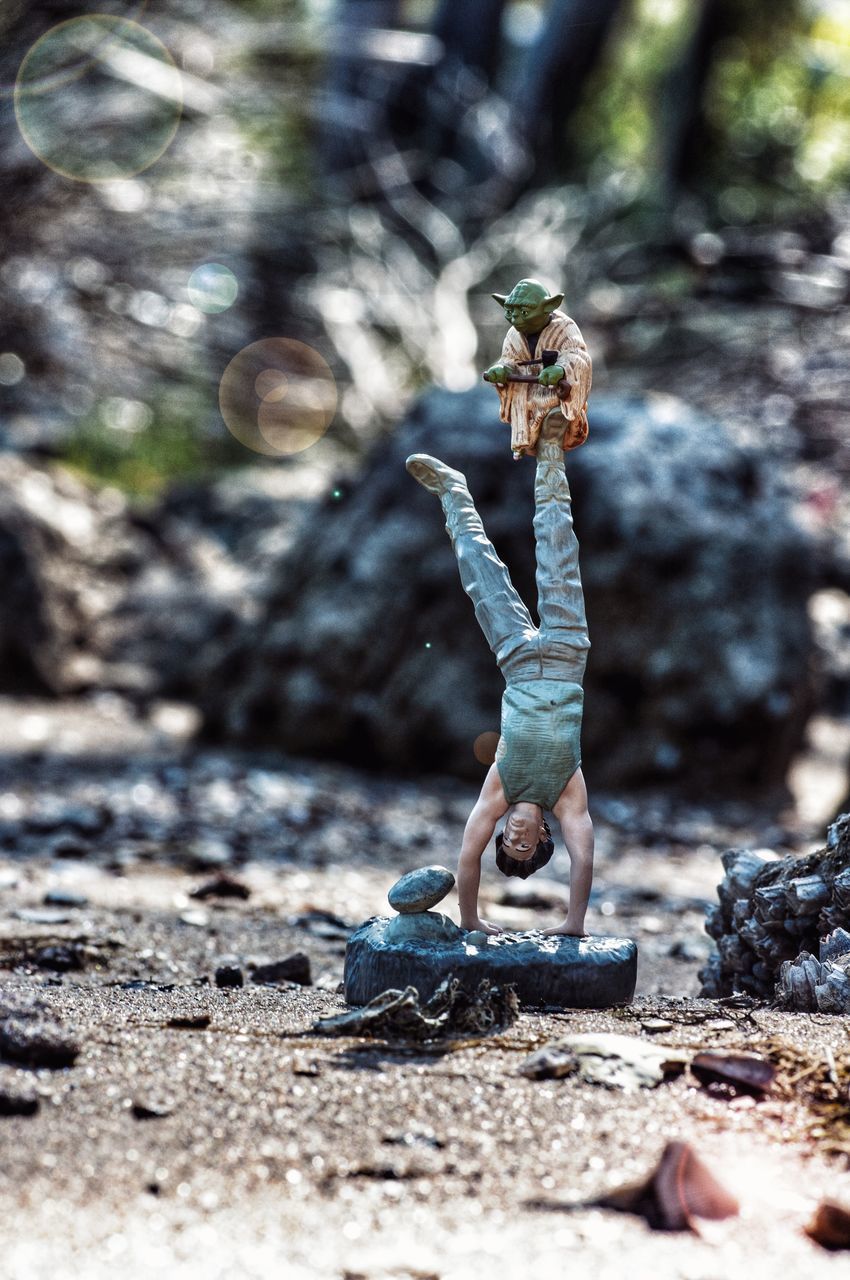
(271, 385)
(12, 369)
(98, 98)
(212, 288)
(484, 747)
(128, 12)
(277, 396)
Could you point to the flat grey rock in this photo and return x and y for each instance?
(553, 972)
(41, 915)
(421, 889)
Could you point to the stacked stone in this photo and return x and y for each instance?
(420, 890)
(773, 912)
(412, 897)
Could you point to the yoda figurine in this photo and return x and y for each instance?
(545, 368)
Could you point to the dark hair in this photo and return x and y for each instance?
(516, 866)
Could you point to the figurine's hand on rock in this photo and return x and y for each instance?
(498, 373)
(565, 930)
(482, 926)
(550, 376)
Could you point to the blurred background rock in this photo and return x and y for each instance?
(359, 176)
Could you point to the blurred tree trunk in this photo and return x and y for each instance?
(682, 116)
(689, 141)
(432, 105)
(557, 69)
(429, 118)
(353, 109)
(470, 33)
(403, 126)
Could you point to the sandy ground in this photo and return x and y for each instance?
(273, 1151)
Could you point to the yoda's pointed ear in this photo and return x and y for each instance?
(552, 304)
(501, 298)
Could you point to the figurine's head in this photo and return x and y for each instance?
(526, 843)
(529, 306)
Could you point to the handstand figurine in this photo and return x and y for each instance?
(538, 759)
(547, 344)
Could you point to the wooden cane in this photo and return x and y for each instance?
(562, 387)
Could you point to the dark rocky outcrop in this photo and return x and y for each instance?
(213, 547)
(97, 596)
(696, 582)
(66, 554)
(818, 985)
(774, 916)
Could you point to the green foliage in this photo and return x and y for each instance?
(273, 9)
(141, 450)
(617, 128)
(774, 131)
(276, 122)
(781, 123)
(282, 135)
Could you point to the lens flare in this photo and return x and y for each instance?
(129, 13)
(12, 369)
(484, 747)
(277, 396)
(98, 98)
(212, 288)
(271, 385)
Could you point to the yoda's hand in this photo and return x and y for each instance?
(498, 373)
(548, 377)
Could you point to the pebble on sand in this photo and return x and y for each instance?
(295, 968)
(229, 974)
(13, 1103)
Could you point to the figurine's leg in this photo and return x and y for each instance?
(501, 614)
(560, 599)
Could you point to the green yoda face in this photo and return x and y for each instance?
(528, 306)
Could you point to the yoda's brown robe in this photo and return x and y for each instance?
(525, 405)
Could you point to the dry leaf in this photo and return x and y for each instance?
(681, 1189)
(745, 1073)
(830, 1226)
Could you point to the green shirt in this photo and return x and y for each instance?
(540, 747)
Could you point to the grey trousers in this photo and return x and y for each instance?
(557, 649)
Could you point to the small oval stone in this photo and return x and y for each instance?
(421, 889)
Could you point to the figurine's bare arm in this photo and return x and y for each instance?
(577, 829)
(490, 806)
